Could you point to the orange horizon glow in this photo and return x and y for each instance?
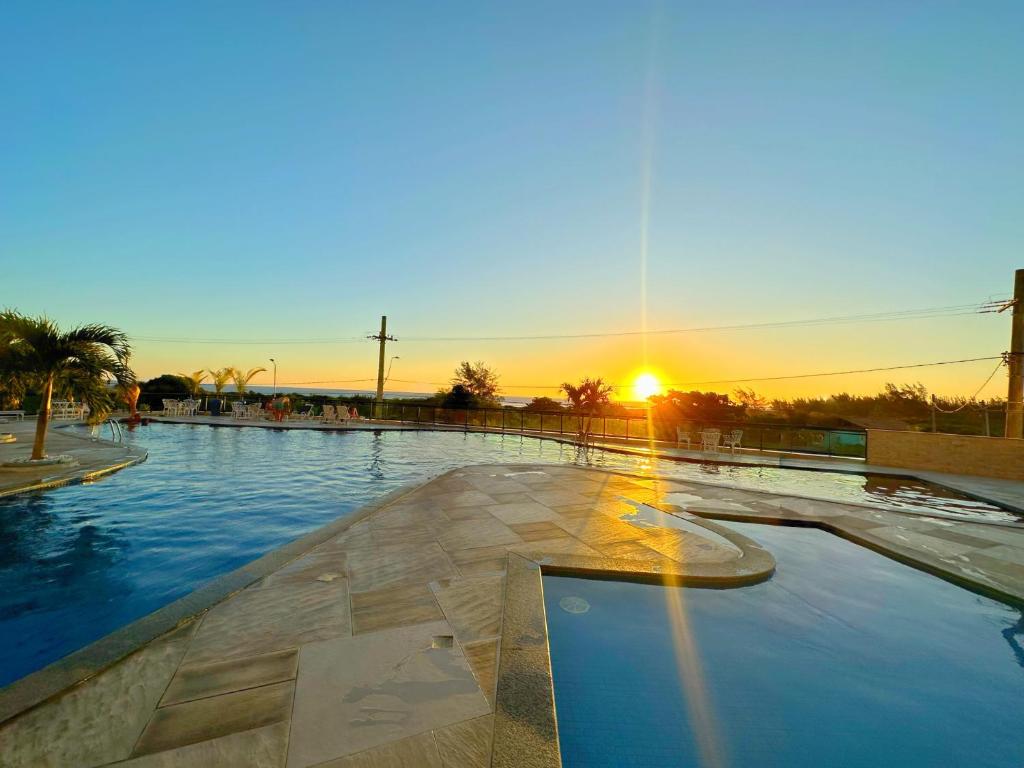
(537, 368)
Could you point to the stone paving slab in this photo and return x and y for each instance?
(361, 692)
(403, 634)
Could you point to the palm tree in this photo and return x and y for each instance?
(193, 381)
(220, 379)
(587, 398)
(242, 379)
(75, 362)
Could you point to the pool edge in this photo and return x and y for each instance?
(37, 687)
(525, 730)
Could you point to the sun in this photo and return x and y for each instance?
(645, 385)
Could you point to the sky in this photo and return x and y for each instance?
(229, 181)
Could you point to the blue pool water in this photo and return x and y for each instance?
(77, 563)
(845, 658)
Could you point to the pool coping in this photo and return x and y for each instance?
(525, 730)
(77, 476)
(54, 679)
(904, 555)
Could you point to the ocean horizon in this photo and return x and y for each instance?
(265, 390)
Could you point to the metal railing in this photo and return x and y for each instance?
(764, 437)
(825, 441)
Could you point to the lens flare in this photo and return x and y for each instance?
(645, 385)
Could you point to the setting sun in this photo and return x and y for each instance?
(646, 384)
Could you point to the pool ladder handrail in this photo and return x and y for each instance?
(116, 435)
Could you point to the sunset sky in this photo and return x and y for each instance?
(265, 174)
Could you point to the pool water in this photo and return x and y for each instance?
(79, 562)
(844, 658)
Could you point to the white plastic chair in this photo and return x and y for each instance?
(732, 440)
(709, 439)
(683, 436)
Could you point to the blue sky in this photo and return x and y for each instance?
(262, 171)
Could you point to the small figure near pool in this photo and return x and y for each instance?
(282, 406)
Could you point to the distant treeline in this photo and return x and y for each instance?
(908, 406)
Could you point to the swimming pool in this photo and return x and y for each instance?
(843, 658)
(78, 562)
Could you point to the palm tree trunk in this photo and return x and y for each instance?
(43, 421)
(585, 429)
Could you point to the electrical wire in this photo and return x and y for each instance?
(705, 382)
(952, 310)
(977, 392)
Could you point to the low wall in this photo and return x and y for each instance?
(938, 452)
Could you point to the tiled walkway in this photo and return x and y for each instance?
(381, 646)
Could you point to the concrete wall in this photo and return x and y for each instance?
(937, 452)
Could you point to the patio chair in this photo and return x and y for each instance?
(237, 410)
(709, 439)
(732, 440)
(683, 436)
(329, 414)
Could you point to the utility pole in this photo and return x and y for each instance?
(1015, 394)
(383, 338)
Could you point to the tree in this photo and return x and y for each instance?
(543, 404)
(220, 379)
(675, 406)
(194, 382)
(13, 388)
(242, 379)
(750, 400)
(77, 363)
(459, 397)
(587, 398)
(479, 380)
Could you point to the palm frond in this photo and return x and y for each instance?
(242, 379)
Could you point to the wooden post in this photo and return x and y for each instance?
(383, 338)
(1015, 392)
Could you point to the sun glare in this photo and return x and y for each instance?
(646, 384)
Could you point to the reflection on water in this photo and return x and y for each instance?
(1012, 633)
(81, 561)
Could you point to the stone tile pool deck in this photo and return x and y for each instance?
(415, 636)
(95, 458)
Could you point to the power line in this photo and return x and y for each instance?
(1002, 361)
(178, 340)
(950, 311)
(953, 310)
(835, 373)
(706, 382)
